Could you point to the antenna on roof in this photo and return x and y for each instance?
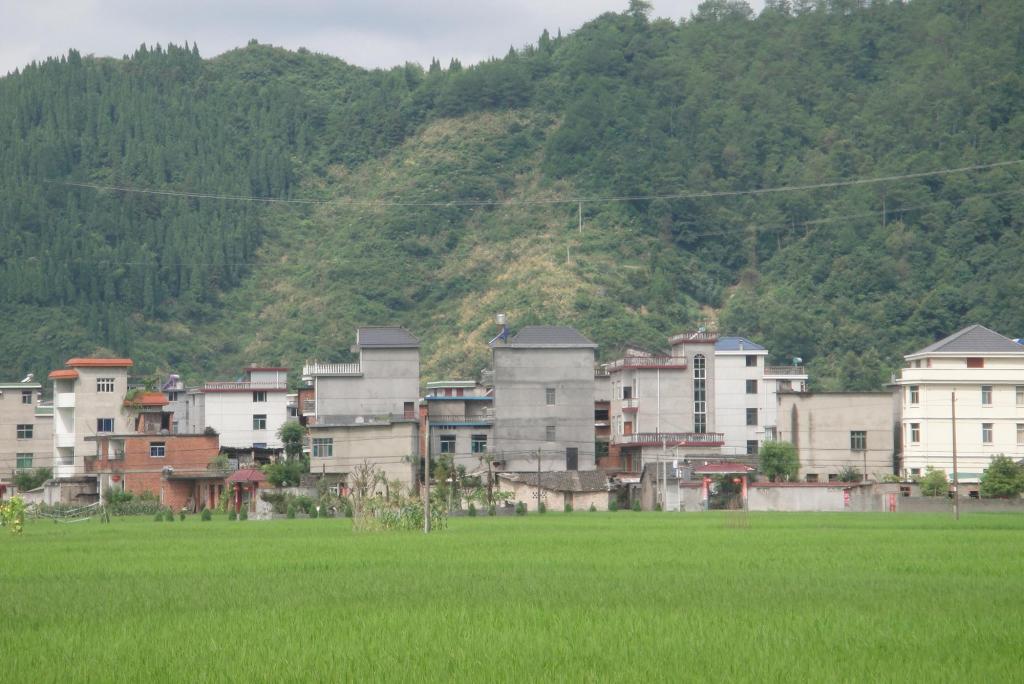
(502, 320)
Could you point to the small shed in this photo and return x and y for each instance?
(245, 484)
(579, 488)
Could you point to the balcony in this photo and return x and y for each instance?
(785, 371)
(699, 337)
(630, 405)
(65, 441)
(243, 386)
(673, 439)
(64, 400)
(334, 369)
(485, 418)
(642, 362)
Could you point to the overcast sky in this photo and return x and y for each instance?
(369, 33)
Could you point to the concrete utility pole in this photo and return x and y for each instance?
(956, 474)
(426, 488)
(538, 480)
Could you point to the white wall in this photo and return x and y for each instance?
(231, 415)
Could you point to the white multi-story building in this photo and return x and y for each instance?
(983, 372)
(746, 390)
(26, 428)
(246, 413)
(88, 401)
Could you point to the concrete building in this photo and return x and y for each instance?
(365, 412)
(836, 430)
(663, 403)
(579, 489)
(26, 428)
(985, 371)
(602, 416)
(246, 413)
(384, 382)
(458, 421)
(544, 399)
(88, 400)
(745, 394)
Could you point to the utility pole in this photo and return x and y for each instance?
(661, 478)
(956, 474)
(581, 217)
(538, 480)
(426, 487)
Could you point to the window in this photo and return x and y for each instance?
(915, 433)
(914, 395)
(752, 361)
(858, 440)
(986, 395)
(915, 471)
(700, 397)
(104, 425)
(447, 444)
(771, 434)
(600, 415)
(104, 384)
(1020, 395)
(549, 433)
(832, 477)
(549, 396)
(259, 422)
(975, 362)
(23, 461)
(259, 396)
(572, 458)
(811, 477)
(751, 447)
(627, 392)
(173, 396)
(157, 449)
(478, 444)
(408, 410)
(986, 433)
(751, 386)
(751, 416)
(26, 396)
(24, 431)
(323, 447)
(1020, 434)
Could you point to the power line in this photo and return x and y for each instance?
(703, 194)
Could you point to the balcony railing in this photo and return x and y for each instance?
(244, 386)
(785, 370)
(648, 362)
(630, 404)
(485, 418)
(672, 439)
(318, 368)
(699, 337)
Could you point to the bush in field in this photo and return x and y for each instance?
(636, 505)
(471, 511)
(31, 479)
(593, 508)
(313, 513)
(135, 506)
(613, 505)
(542, 507)
(181, 514)
(232, 515)
(169, 515)
(934, 483)
(1002, 479)
(243, 514)
(520, 508)
(291, 510)
(567, 508)
(657, 506)
(159, 517)
(492, 510)
(206, 516)
(12, 515)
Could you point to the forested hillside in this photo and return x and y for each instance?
(434, 197)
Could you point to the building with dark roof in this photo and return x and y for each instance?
(983, 373)
(579, 489)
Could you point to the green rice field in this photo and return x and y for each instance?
(587, 597)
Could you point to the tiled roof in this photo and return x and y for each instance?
(563, 480)
(79, 362)
(550, 336)
(63, 374)
(148, 399)
(737, 344)
(975, 339)
(386, 337)
(247, 475)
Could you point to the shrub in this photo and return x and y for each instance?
(291, 510)
(567, 508)
(313, 513)
(593, 508)
(348, 511)
(181, 515)
(169, 515)
(471, 512)
(779, 461)
(636, 505)
(492, 510)
(1002, 479)
(849, 474)
(243, 514)
(31, 479)
(520, 508)
(657, 506)
(935, 483)
(613, 505)
(159, 517)
(542, 507)
(206, 516)
(232, 515)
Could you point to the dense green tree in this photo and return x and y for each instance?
(1003, 478)
(778, 461)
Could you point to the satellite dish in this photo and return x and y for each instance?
(29, 378)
